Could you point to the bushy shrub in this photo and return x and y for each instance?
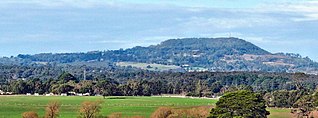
(30, 114)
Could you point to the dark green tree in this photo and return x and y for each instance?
(245, 104)
(65, 77)
(106, 87)
(216, 87)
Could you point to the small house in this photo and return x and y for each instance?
(86, 94)
(49, 94)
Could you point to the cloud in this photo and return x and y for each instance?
(228, 23)
(83, 25)
(60, 3)
(302, 11)
(308, 17)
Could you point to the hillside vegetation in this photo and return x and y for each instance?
(213, 54)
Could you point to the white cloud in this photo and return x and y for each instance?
(308, 17)
(302, 11)
(61, 3)
(219, 23)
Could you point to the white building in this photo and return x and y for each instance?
(63, 94)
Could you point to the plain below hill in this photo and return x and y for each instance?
(192, 54)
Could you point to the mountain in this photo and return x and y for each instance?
(192, 54)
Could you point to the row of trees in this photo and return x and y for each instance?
(145, 84)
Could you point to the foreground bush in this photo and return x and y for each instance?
(90, 109)
(195, 112)
(115, 115)
(52, 110)
(30, 114)
(162, 112)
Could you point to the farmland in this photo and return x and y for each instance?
(153, 67)
(13, 106)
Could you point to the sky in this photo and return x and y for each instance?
(44, 26)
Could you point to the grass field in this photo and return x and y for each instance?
(279, 113)
(13, 106)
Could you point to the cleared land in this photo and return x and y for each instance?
(280, 113)
(153, 67)
(13, 106)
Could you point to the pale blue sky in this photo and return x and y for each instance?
(34, 26)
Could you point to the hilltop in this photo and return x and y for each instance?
(192, 54)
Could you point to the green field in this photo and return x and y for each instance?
(13, 106)
(279, 113)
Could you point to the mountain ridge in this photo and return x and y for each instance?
(212, 54)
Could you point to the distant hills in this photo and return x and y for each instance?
(191, 54)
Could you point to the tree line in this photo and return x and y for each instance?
(145, 83)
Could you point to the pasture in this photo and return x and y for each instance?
(153, 67)
(13, 106)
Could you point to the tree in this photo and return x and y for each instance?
(30, 114)
(52, 110)
(106, 87)
(298, 77)
(198, 89)
(90, 109)
(304, 106)
(242, 103)
(65, 77)
(216, 87)
(85, 86)
(64, 88)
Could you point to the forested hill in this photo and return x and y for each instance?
(192, 54)
(221, 46)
